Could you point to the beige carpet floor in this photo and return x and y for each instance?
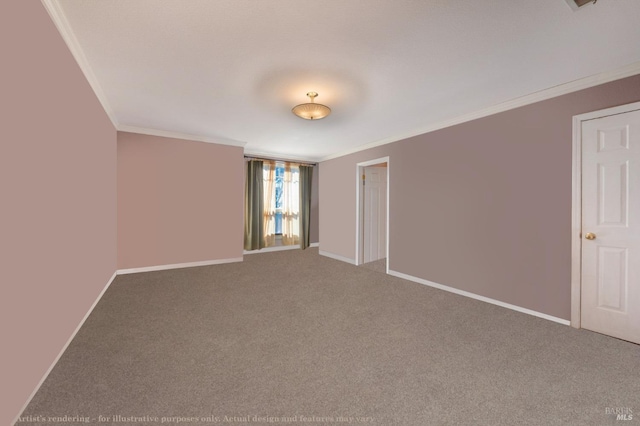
(379, 265)
(296, 338)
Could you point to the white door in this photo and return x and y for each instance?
(375, 213)
(610, 294)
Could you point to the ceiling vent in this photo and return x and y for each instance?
(577, 4)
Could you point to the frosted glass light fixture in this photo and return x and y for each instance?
(311, 110)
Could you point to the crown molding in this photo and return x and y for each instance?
(552, 92)
(283, 157)
(60, 21)
(178, 135)
(58, 17)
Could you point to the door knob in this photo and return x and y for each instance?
(590, 236)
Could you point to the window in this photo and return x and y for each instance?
(279, 184)
(277, 204)
(282, 202)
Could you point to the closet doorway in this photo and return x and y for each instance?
(372, 243)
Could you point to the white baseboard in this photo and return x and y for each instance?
(278, 248)
(337, 257)
(178, 266)
(481, 298)
(64, 348)
(270, 249)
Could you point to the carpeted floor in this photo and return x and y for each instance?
(296, 338)
(379, 265)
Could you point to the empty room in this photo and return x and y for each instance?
(320, 212)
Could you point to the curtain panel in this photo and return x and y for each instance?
(306, 173)
(263, 209)
(291, 205)
(253, 205)
(269, 211)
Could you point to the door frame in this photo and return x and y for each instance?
(576, 204)
(360, 208)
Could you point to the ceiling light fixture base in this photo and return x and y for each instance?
(311, 110)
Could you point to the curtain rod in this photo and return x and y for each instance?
(303, 163)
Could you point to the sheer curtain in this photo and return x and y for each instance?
(291, 205)
(262, 210)
(269, 212)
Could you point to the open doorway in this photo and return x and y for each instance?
(372, 221)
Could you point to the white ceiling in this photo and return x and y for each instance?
(231, 70)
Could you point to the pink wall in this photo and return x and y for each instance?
(58, 186)
(483, 206)
(179, 201)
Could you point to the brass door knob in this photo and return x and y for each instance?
(590, 236)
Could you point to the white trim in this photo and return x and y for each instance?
(336, 257)
(57, 15)
(178, 265)
(60, 21)
(359, 170)
(620, 109)
(271, 249)
(62, 24)
(374, 162)
(576, 204)
(178, 135)
(576, 221)
(64, 348)
(278, 248)
(562, 89)
(283, 157)
(478, 297)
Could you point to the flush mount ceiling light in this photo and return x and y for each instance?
(311, 110)
(577, 4)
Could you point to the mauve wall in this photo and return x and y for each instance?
(58, 186)
(179, 201)
(483, 206)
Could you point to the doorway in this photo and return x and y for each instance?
(605, 283)
(372, 219)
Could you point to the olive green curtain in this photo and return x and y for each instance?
(306, 173)
(254, 206)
